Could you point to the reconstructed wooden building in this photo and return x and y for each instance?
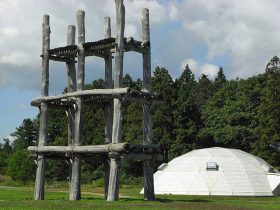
(111, 98)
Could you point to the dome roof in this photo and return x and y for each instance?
(217, 171)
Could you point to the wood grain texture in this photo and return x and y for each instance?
(108, 109)
(149, 193)
(40, 171)
(75, 185)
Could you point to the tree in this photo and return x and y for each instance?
(20, 168)
(268, 146)
(204, 91)
(163, 120)
(26, 134)
(5, 151)
(231, 115)
(220, 79)
(185, 114)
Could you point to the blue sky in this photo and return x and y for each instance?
(240, 35)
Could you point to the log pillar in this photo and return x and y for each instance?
(75, 186)
(113, 188)
(71, 87)
(149, 193)
(40, 172)
(108, 109)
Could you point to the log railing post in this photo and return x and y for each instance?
(75, 187)
(72, 87)
(113, 188)
(149, 193)
(108, 109)
(40, 172)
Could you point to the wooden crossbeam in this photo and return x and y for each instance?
(98, 95)
(81, 93)
(99, 149)
(94, 149)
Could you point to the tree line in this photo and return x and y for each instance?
(241, 113)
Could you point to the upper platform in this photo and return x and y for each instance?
(99, 48)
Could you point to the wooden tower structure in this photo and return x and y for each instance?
(113, 150)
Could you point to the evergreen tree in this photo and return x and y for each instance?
(220, 79)
(163, 121)
(26, 134)
(185, 114)
(204, 90)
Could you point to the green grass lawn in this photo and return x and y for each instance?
(21, 198)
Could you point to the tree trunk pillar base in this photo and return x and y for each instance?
(149, 192)
(40, 179)
(113, 188)
(75, 185)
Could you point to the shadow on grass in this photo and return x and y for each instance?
(166, 200)
(92, 198)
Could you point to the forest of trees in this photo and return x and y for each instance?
(241, 113)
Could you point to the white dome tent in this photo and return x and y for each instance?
(217, 171)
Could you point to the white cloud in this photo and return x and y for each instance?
(173, 12)
(192, 65)
(209, 70)
(17, 58)
(9, 31)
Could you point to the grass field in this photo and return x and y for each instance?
(21, 198)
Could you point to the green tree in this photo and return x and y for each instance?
(268, 146)
(26, 134)
(185, 114)
(5, 151)
(20, 168)
(220, 79)
(204, 90)
(163, 120)
(231, 115)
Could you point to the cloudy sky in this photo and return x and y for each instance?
(239, 35)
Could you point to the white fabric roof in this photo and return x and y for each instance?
(238, 173)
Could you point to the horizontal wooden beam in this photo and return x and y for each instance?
(94, 149)
(120, 148)
(82, 93)
(99, 96)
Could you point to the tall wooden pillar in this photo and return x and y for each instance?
(113, 189)
(75, 187)
(40, 172)
(71, 87)
(108, 109)
(149, 193)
